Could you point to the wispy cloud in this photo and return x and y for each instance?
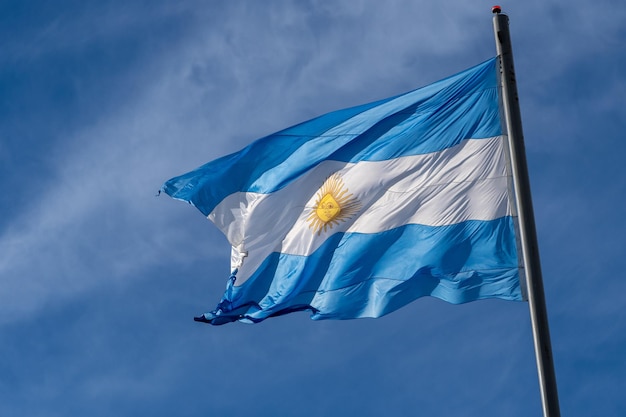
(103, 102)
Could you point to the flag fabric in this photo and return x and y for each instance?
(361, 211)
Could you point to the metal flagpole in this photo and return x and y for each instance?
(528, 234)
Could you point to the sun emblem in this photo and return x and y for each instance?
(332, 205)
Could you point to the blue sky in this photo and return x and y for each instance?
(100, 102)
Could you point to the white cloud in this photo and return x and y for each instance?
(218, 87)
(82, 250)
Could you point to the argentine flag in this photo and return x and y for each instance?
(360, 211)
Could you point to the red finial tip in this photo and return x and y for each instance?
(496, 9)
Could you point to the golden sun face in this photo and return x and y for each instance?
(332, 205)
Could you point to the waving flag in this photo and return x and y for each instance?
(360, 211)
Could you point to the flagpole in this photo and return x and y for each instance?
(528, 234)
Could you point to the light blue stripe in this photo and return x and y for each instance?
(430, 119)
(355, 275)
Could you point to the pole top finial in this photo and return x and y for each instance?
(496, 10)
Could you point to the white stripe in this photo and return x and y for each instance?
(466, 182)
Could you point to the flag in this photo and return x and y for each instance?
(361, 211)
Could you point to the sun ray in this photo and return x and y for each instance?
(333, 205)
